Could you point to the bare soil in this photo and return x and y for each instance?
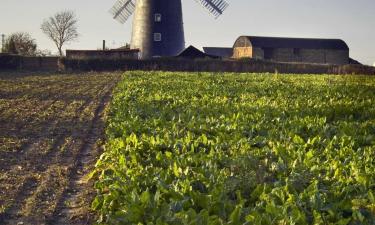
(51, 132)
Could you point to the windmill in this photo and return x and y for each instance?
(158, 24)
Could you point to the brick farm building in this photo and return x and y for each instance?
(323, 51)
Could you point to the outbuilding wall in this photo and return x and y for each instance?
(303, 50)
(337, 57)
(323, 56)
(243, 52)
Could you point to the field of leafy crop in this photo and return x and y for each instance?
(200, 148)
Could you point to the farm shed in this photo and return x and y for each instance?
(219, 52)
(306, 50)
(194, 53)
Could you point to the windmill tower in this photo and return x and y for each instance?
(158, 28)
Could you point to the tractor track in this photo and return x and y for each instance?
(56, 174)
(88, 152)
(48, 126)
(31, 138)
(42, 164)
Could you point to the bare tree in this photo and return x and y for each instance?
(20, 43)
(61, 28)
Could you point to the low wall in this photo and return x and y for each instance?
(212, 65)
(9, 62)
(322, 56)
(39, 63)
(16, 62)
(108, 54)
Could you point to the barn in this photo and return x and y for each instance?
(192, 52)
(305, 50)
(221, 52)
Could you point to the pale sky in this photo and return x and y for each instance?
(350, 20)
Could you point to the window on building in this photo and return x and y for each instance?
(158, 17)
(157, 36)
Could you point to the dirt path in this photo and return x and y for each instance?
(75, 198)
(49, 144)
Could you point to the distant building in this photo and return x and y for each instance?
(121, 53)
(354, 62)
(192, 52)
(324, 51)
(219, 52)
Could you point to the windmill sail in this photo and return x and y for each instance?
(122, 10)
(215, 7)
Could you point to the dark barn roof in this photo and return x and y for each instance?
(218, 51)
(280, 42)
(193, 53)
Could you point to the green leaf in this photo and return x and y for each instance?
(371, 197)
(344, 221)
(97, 203)
(176, 170)
(168, 154)
(145, 197)
(298, 140)
(235, 216)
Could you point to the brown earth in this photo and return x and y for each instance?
(51, 132)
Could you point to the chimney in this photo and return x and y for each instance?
(2, 42)
(103, 45)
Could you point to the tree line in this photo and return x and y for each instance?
(60, 28)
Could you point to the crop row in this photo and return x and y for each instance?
(200, 148)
